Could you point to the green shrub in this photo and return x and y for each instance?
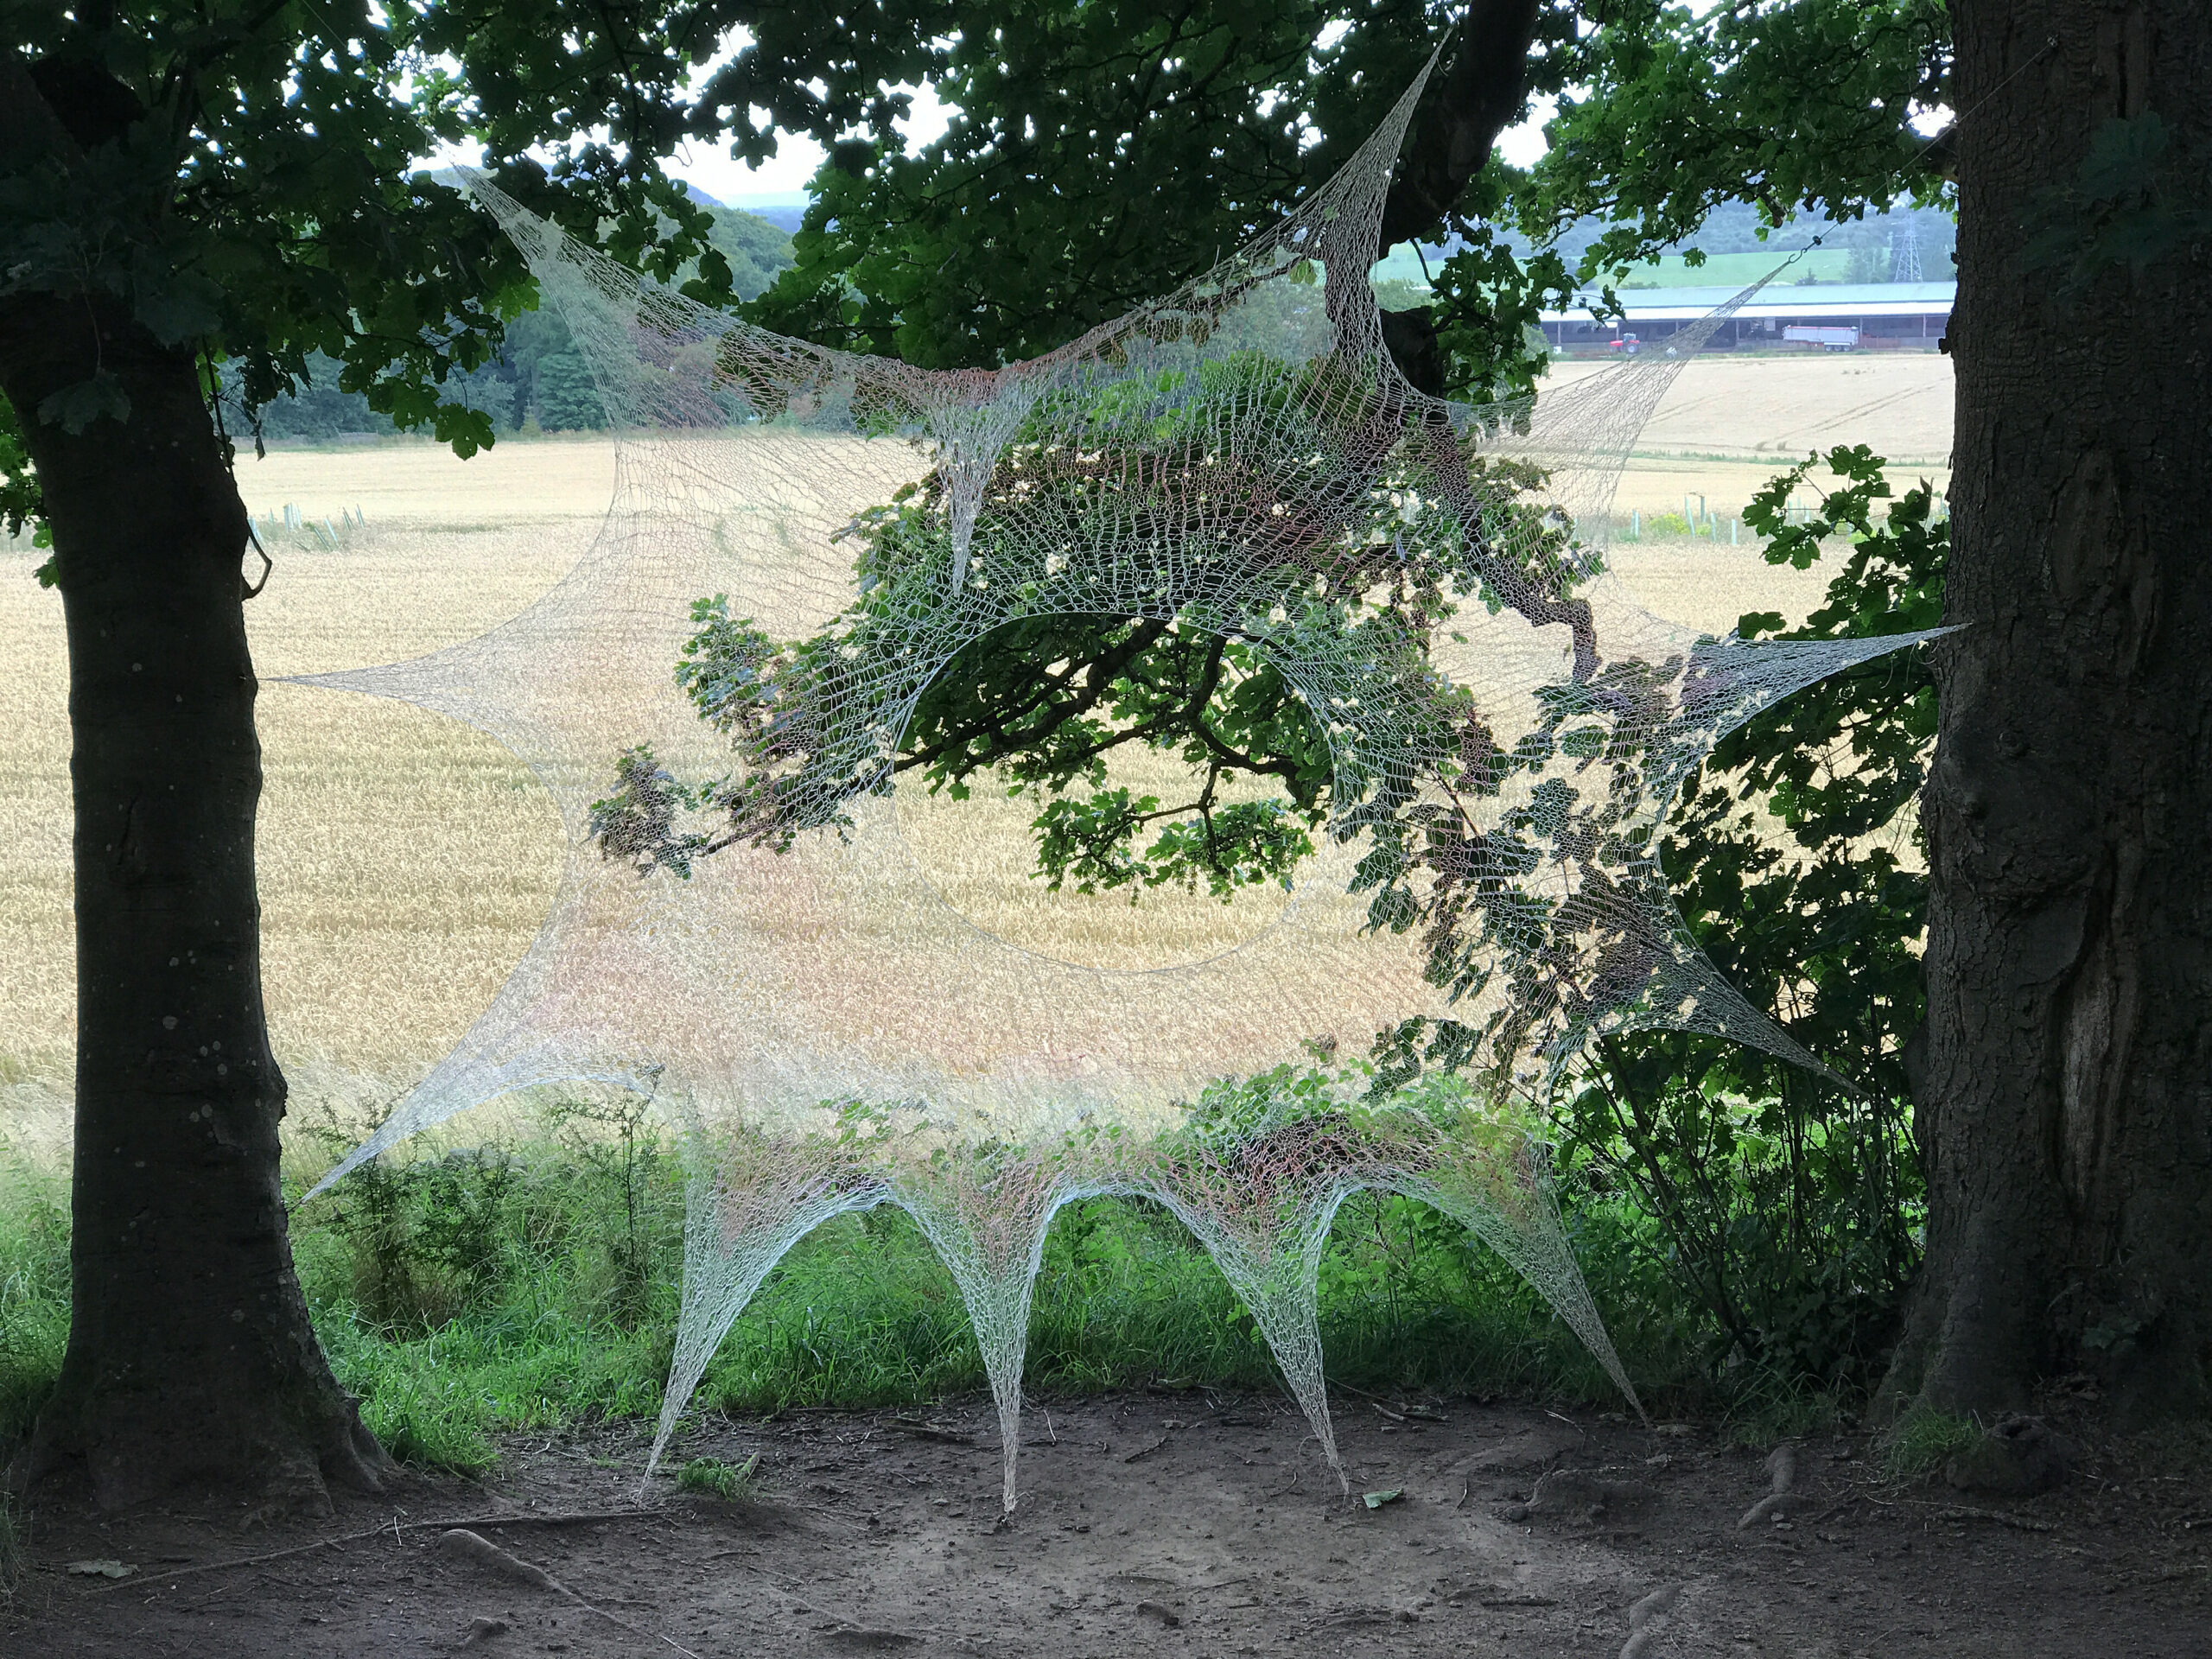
(1787, 1209)
(33, 1294)
(716, 1479)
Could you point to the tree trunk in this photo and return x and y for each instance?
(2065, 1091)
(191, 1360)
(1476, 96)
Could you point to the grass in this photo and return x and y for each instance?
(1923, 1440)
(1740, 270)
(34, 1292)
(716, 1479)
(485, 1294)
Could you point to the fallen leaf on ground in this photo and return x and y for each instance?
(101, 1569)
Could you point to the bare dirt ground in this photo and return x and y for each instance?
(1168, 1524)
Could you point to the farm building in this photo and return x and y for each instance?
(1864, 316)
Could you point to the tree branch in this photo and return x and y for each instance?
(1458, 121)
(29, 129)
(1103, 671)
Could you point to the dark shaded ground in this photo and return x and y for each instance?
(1173, 1524)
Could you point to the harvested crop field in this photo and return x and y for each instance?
(1779, 406)
(406, 860)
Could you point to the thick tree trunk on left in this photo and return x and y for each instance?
(191, 1362)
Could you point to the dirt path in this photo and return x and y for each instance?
(1169, 1524)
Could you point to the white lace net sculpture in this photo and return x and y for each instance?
(744, 930)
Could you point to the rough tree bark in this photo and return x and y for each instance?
(2065, 1091)
(1478, 95)
(191, 1362)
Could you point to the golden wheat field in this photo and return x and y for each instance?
(406, 861)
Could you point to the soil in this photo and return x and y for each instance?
(1167, 1524)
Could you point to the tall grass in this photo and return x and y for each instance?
(33, 1293)
(488, 1291)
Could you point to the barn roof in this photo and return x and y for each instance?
(1805, 302)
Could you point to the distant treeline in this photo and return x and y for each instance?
(1733, 227)
(540, 382)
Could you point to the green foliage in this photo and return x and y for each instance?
(614, 1142)
(1042, 700)
(755, 251)
(1867, 264)
(1923, 1440)
(20, 505)
(717, 1478)
(1038, 213)
(485, 1293)
(1219, 705)
(426, 1238)
(1489, 300)
(33, 1294)
(567, 398)
(246, 183)
(1786, 1208)
(537, 375)
(1665, 112)
(1668, 111)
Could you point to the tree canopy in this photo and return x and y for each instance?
(260, 194)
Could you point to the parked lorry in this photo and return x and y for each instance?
(1827, 339)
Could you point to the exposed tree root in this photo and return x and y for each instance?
(1782, 1469)
(384, 1526)
(1648, 1618)
(459, 1543)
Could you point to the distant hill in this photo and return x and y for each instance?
(784, 219)
(783, 210)
(1855, 250)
